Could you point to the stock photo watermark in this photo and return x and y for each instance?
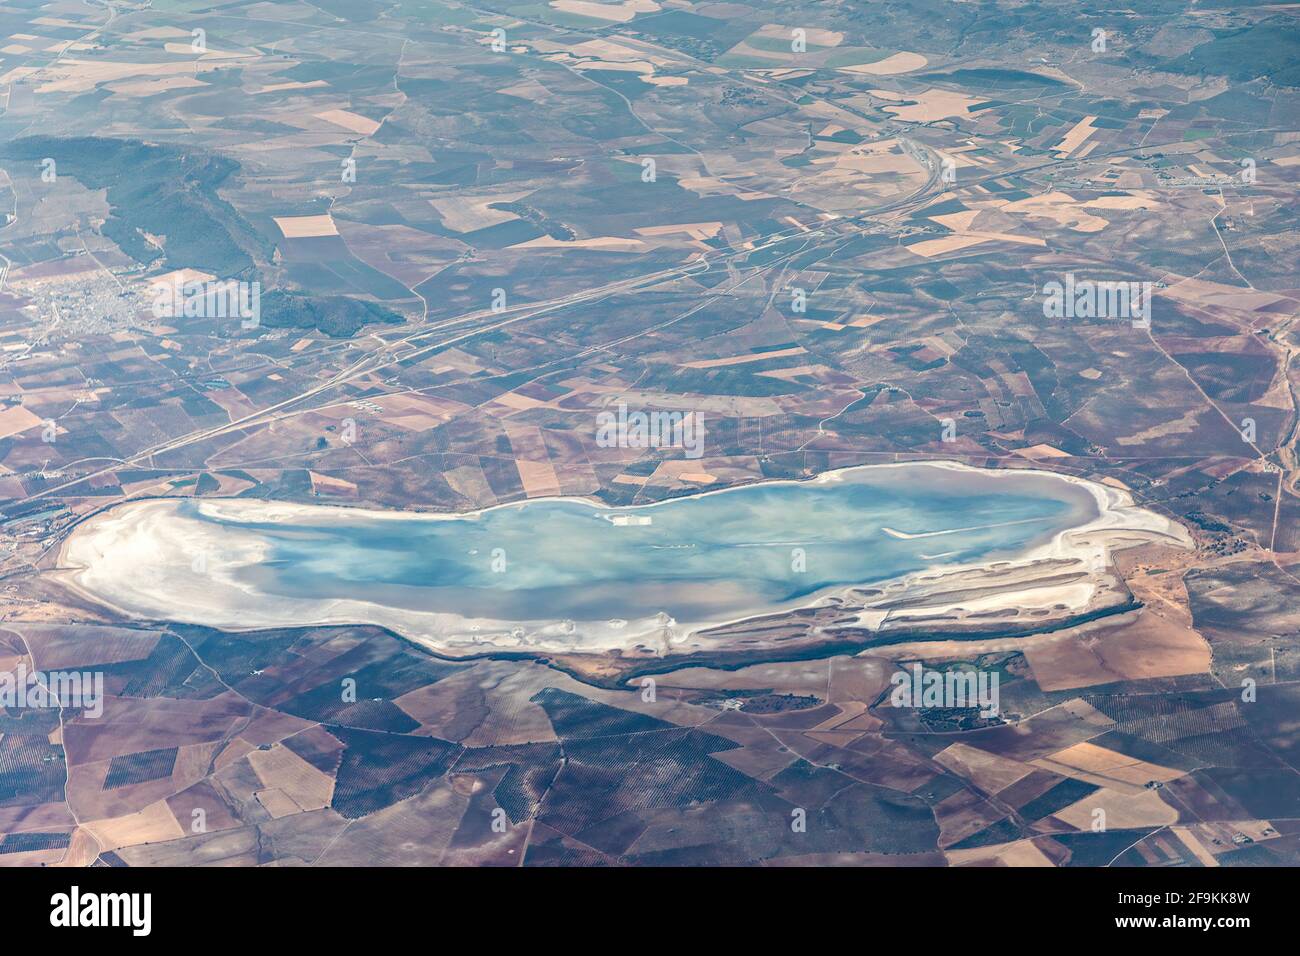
(21, 689)
(1098, 299)
(918, 687)
(228, 299)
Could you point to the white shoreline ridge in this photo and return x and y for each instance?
(150, 576)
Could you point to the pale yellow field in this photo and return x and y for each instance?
(471, 213)
(604, 243)
(674, 469)
(1088, 762)
(696, 230)
(284, 770)
(305, 227)
(615, 12)
(538, 478)
(277, 803)
(945, 244)
(644, 67)
(80, 76)
(536, 473)
(1061, 208)
(82, 850)
(1123, 810)
(901, 62)
(933, 104)
(153, 824)
(291, 85)
(326, 484)
(957, 221)
(1137, 200)
(415, 412)
(1080, 132)
(184, 49)
(528, 89)
(16, 419)
(350, 121)
(1204, 292)
(1020, 853)
(816, 36)
(1043, 451)
(159, 85)
(745, 359)
(157, 33)
(1189, 839)
(520, 402)
(990, 772)
(610, 51)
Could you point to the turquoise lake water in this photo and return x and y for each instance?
(699, 558)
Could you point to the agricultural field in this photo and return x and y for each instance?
(455, 233)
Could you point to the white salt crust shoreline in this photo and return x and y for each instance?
(150, 576)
